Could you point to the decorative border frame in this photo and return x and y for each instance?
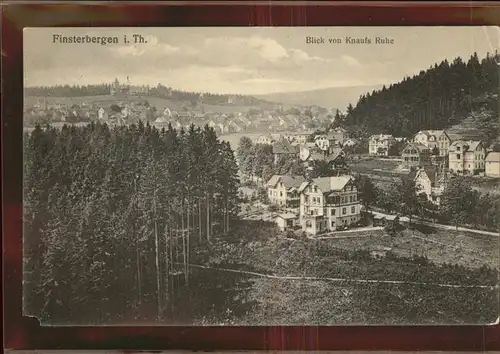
(25, 333)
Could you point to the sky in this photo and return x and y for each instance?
(247, 60)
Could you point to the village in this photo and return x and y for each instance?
(331, 202)
(126, 104)
(314, 203)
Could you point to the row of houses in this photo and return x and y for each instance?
(324, 141)
(307, 152)
(239, 122)
(319, 205)
(437, 147)
(434, 156)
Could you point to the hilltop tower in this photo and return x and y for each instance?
(115, 87)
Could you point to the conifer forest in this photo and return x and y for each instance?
(111, 216)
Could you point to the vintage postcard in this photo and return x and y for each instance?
(261, 176)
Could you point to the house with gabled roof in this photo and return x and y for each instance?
(380, 144)
(283, 190)
(265, 139)
(415, 155)
(307, 149)
(432, 181)
(324, 141)
(434, 139)
(492, 164)
(283, 148)
(327, 203)
(467, 157)
(339, 134)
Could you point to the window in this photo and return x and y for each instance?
(315, 189)
(281, 194)
(344, 211)
(333, 223)
(308, 224)
(458, 148)
(353, 210)
(458, 156)
(351, 198)
(333, 212)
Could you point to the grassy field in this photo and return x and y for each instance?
(376, 165)
(315, 282)
(439, 246)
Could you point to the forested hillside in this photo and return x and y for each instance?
(440, 97)
(110, 216)
(160, 91)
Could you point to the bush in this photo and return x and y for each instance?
(274, 208)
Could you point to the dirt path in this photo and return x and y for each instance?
(440, 226)
(371, 281)
(335, 233)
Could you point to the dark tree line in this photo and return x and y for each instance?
(112, 217)
(436, 98)
(207, 98)
(257, 160)
(69, 90)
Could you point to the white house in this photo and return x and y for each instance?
(283, 190)
(432, 182)
(327, 203)
(287, 221)
(350, 142)
(380, 144)
(324, 141)
(101, 113)
(466, 157)
(265, 140)
(306, 150)
(492, 164)
(434, 139)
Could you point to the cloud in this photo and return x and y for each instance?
(350, 61)
(150, 48)
(254, 51)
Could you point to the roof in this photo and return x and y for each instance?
(420, 147)
(436, 176)
(436, 133)
(328, 184)
(381, 137)
(430, 171)
(472, 144)
(287, 216)
(493, 157)
(288, 181)
(283, 146)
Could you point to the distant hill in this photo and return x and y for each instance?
(461, 96)
(334, 97)
(158, 102)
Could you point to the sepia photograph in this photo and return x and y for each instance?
(261, 176)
